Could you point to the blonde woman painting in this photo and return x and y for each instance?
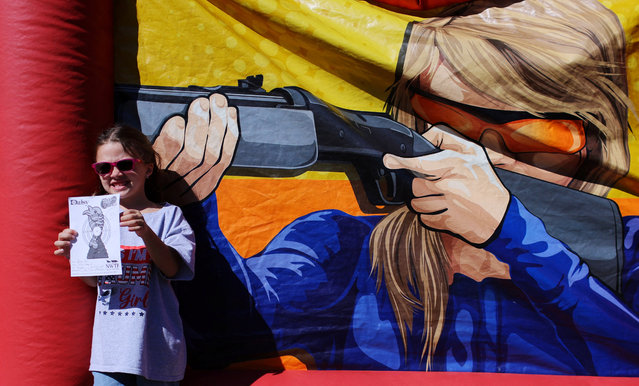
(465, 278)
(522, 67)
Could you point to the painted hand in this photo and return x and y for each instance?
(196, 151)
(457, 189)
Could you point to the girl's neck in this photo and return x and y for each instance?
(141, 203)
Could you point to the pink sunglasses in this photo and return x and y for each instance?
(123, 165)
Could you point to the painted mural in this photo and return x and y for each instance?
(380, 186)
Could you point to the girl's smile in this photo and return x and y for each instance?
(120, 185)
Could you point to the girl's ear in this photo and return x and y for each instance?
(149, 171)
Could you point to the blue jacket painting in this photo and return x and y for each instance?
(464, 277)
(312, 292)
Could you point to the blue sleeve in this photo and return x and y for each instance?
(594, 324)
(630, 271)
(303, 288)
(311, 264)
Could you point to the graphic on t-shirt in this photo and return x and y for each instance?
(132, 285)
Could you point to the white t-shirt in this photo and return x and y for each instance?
(137, 327)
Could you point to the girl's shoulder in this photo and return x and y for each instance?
(163, 210)
(169, 216)
(165, 207)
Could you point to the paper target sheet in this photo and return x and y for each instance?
(96, 250)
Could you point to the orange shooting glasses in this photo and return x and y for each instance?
(521, 131)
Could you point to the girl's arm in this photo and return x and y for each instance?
(63, 248)
(91, 281)
(164, 257)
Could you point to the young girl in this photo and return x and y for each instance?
(137, 332)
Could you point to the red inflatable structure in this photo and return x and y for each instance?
(56, 92)
(56, 81)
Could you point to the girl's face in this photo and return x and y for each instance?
(129, 184)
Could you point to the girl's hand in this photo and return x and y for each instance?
(164, 257)
(134, 220)
(65, 240)
(458, 190)
(63, 244)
